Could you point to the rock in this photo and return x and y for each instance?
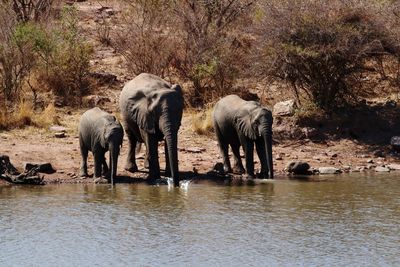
(298, 167)
(194, 149)
(91, 101)
(57, 128)
(394, 167)
(219, 167)
(328, 170)
(370, 161)
(346, 168)
(395, 143)
(382, 169)
(334, 155)
(59, 135)
(40, 167)
(104, 77)
(379, 154)
(285, 108)
(100, 180)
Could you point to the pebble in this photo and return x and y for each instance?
(328, 170)
(394, 166)
(382, 169)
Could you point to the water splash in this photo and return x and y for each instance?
(185, 184)
(170, 182)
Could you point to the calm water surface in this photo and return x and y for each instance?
(346, 221)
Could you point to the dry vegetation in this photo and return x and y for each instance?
(330, 54)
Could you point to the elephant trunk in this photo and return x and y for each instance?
(172, 144)
(113, 163)
(268, 148)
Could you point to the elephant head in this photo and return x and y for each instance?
(160, 111)
(256, 123)
(112, 139)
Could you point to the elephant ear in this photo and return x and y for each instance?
(245, 122)
(177, 88)
(141, 112)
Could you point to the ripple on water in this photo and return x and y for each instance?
(342, 222)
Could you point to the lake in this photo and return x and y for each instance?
(348, 220)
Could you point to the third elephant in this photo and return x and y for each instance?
(152, 111)
(244, 123)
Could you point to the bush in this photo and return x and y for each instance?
(323, 50)
(32, 10)
(16, 57)
(64, 66)
(144, 39)
(212, 45)
(199, 41)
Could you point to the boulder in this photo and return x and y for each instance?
(298, 167)
(382, 169)
(395, 143)
(393, 166)
(328, 170)
(285, 108)
(104, 77)
(59, 135)
(40, 167)
(57, 128)
(92, 101)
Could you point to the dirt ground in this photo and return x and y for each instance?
(197, 153)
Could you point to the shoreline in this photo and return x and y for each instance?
(198, 154)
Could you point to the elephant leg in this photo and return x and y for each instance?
(152, 152)
(249, 154)
(131, 160)
(105, 167)
(167, 166)
(223, 148)
(238, 166)
(146, 159)
(84, 154)
(260, 147)
(98, 162)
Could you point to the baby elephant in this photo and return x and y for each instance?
(100, 132)
(244, 123)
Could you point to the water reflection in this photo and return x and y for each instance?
(343, 221)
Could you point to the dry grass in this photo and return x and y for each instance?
(24, 115)
(202, 122)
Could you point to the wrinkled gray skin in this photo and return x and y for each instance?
(244, 123)
(152, 111)
(100, 132)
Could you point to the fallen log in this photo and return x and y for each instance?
(10, 174)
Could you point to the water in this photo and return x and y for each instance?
(346, 221)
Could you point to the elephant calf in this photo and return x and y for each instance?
(244, 123)
(100, 132)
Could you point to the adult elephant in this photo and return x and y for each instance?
(244, 123)
(100, 132)
(152, 111)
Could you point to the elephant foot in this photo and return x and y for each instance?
(249, 177)
(238, 170)
(131, 168)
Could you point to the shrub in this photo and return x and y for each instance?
(32, 10)
(65, 60)
(212, 45)
(202, 122)
(144, 39)
(323, 50)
